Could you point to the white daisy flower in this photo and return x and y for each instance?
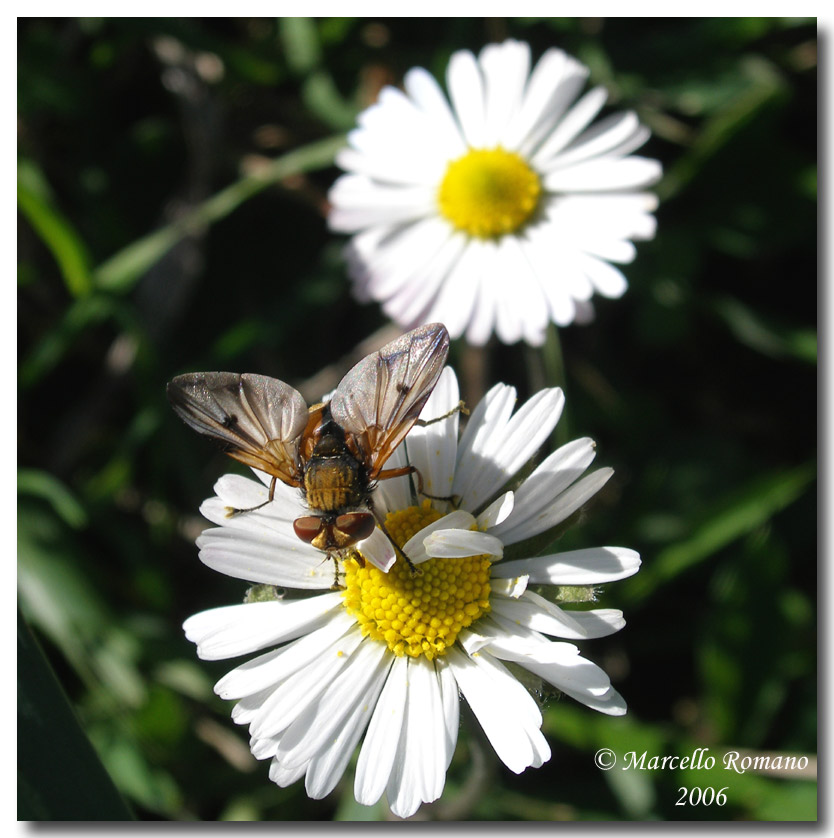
(390, 655)
(499, 209)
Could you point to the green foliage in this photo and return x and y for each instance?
(172, 179)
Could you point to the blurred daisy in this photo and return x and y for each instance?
(391, 654)
(500, 211)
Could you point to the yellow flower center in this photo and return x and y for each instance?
(417, 615)
(489, 192)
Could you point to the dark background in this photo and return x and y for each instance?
(699, 387)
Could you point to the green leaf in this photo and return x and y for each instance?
(299, 38)
(791, 801)
(765, 85)
(322, 97)
(59, 775)
(732, 517)
(765, 336)
(49, 351)
(44, 485)
(152, 787)
(122, 270)
(35, 202)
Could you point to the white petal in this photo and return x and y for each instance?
(380, 746)
(510, 639)
(522, 312)
(486, 423)
(428, 96)
(276, 666)
(497, 447)
(512, 586)
(466, 90)
(415, 549)
(608, 280)
(482, 321)
(473, 642)
(531, 612)
(591, 566)
(378, 550)
(302, 688)
(328, 766)
(458, 544)
(505, 67)
(358, 202)
(264, 748)
(557, 663)
(576, 675)
(426, 719)
(552, 271)
(591, 222)
(611, 702)
(427, 295)
(570, 126)
(599, 622)
(283, 776)
(506, 712)
(529, 427)
(239, 629)
(405, 254)
(605, 175)
(247, 708)
(264, 558)
(551, 478)
(314, 729)
(456, 299)
(419, 770)
(498, 511)
(563, 507)
(395, 142)
(273, 520)
(394, 493)
(237, 492)
(432, 448)
(451, 705)
(610, 250)
(554, 254)
(554, 84)
(604, 138)
(537, 614)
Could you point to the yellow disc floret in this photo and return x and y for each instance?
(422, 614)
(489, 192)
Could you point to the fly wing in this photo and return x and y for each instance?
(257, 420)
(379, 400)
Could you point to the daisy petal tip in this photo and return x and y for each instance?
(472, 642)
(512, 587)
(497, 512)
(384, 566)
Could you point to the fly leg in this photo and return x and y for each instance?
(460, 407)
(388, 473)
(336, 586)
(231, 511)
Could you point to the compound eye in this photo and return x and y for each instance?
(307, 528)
(357, 526)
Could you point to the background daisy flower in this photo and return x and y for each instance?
(391, 654)
(500, 208)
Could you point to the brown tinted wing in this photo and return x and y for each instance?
(257, 420)
(379, 400)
